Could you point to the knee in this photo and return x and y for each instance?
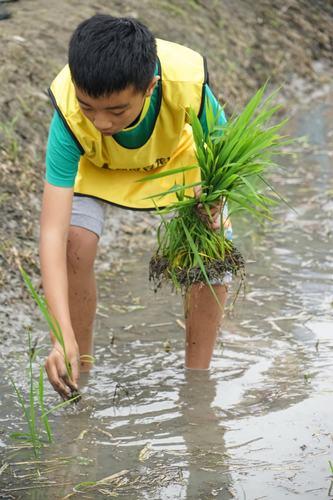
(81, 249)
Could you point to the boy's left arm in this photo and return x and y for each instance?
(215, 106)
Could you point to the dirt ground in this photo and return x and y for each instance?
(288, 41)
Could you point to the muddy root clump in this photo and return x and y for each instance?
(160, 270)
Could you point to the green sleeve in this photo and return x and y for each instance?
(62, 155)
(216, 106)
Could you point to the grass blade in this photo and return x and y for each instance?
(167, 173)
(61, 405)
(44, 418)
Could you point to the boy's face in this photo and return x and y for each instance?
(113, 113)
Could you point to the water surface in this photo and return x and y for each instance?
(259, 424)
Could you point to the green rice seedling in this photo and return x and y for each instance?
(330, 463)
(44, 416)
(54, 327)
(34, 410)
(232, 159)
(51, 321)
(32, 435)
(330, 489)
(30, 409)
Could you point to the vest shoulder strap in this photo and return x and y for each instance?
(180, 63)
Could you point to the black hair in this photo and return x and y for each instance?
(107, 54)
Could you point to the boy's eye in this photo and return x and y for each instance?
(89, 110)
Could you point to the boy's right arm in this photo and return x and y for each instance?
(55, 221)
(62, 158)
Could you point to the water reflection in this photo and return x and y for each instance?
(203, 434)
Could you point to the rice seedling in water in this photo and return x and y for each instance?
(54, 328)
(30, 410)
(34, 410)
(330, 490)
(232, 159)
(51, 321)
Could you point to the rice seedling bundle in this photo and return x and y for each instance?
(232, 159)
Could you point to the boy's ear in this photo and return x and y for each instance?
(152, 85)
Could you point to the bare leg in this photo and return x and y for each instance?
(81, 253)
(203, 318)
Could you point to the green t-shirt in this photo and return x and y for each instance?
(63, 153)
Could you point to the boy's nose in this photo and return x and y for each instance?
(102, 123)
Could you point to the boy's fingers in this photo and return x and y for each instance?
(63, 377)
(212, 220)
(197, 191)
(55, 381)
(69, 383)
(75, 364)
(216, 210)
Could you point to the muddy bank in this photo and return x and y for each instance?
(288, 42)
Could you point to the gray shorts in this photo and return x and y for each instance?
(88, 213)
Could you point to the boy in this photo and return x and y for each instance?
(120, 111)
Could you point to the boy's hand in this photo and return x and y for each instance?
(214, 222)
(56, 368)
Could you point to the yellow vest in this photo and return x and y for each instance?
(109, 171)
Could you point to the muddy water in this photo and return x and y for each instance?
(259, 425)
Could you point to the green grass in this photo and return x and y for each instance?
(10, 143)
